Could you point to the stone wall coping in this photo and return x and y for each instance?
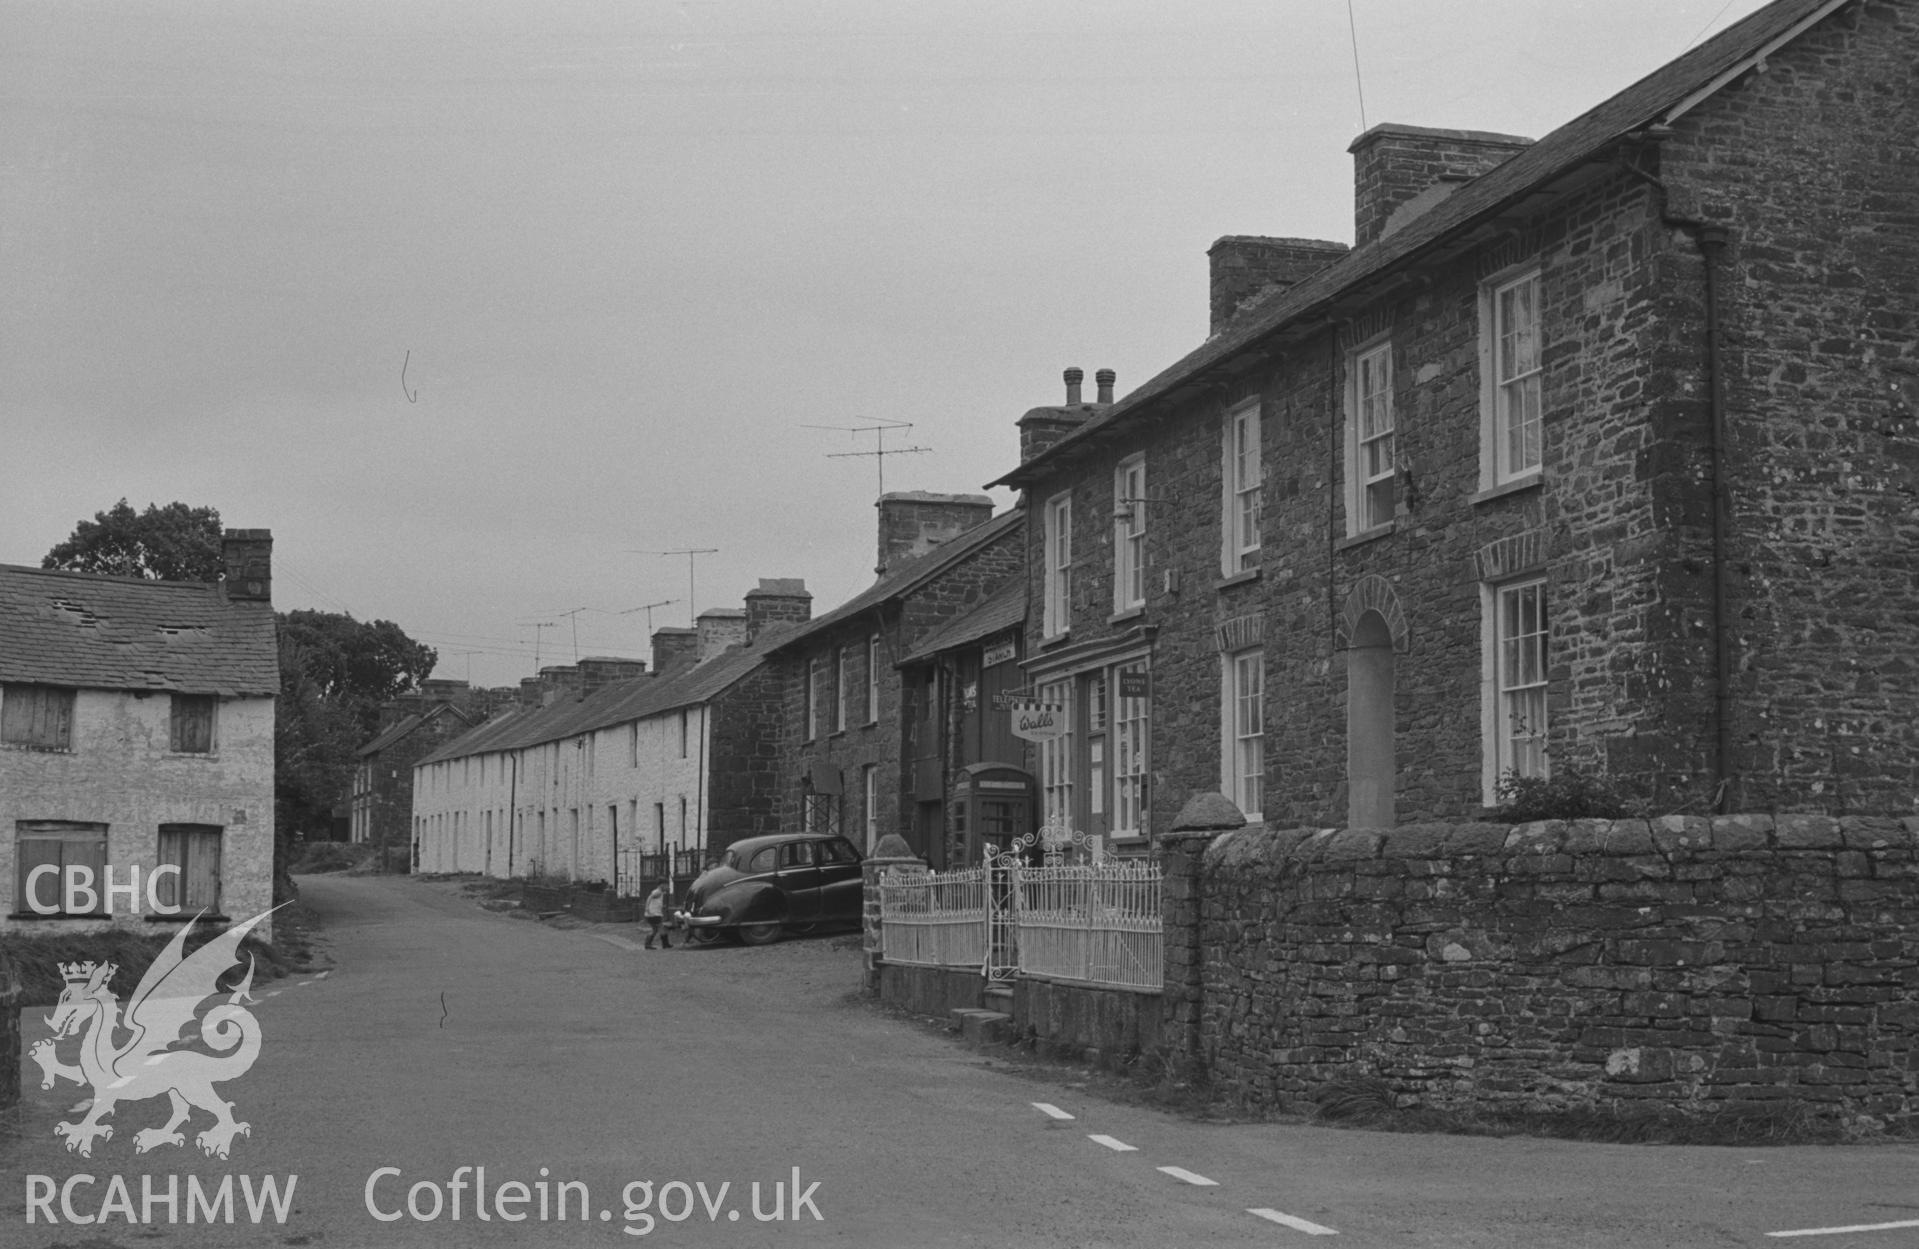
(1208, 812)
(1671, 836)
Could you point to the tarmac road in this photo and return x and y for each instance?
(452, 1037)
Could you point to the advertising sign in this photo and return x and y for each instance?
(1038, 722)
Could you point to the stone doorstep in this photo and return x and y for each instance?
(978, 1028)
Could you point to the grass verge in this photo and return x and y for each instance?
(31, 964)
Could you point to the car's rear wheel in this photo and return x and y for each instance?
(702, 936)
(759, 934)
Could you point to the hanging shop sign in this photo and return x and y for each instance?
(1038, 722)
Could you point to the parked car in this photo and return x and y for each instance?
(764, 887)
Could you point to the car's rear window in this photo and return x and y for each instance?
(763, 861)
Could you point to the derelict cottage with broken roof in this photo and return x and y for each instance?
(136, 731)
(1599, 451)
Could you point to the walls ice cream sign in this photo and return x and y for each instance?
(1038, 722)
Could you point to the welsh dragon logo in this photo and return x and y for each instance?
(145, 1064)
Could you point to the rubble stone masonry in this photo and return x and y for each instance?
(1813, 169)
(1691, 962)
(1811, 166)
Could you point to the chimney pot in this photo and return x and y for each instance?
(1073, 379)
(1105, 379)
(247, 557)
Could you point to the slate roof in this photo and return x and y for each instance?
(1002, 610)
(399, 729)
(908, 576)
(406, 724)
(1574, 143)
(125, 633)
(617, 703)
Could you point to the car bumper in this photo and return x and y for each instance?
(698, 921)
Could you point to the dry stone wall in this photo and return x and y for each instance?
(1685, 962)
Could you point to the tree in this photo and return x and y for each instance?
(171, 543)
(335, 672)
(359, 663)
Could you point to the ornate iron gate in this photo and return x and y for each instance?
(1056, 845)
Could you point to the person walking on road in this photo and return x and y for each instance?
(656, 916)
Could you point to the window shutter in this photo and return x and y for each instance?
(37, 716)
(32, 853)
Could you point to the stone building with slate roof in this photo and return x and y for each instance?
(847, 712)
(380, 801)
(586, 777)
(1599, 452)
(969, 777)
(136, 732)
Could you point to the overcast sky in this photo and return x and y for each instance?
(627, 252)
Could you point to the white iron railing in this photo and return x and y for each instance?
(1099, 923)
(934, 919)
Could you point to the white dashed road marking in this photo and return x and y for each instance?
(1292, 1221)
(1841, 1231)
(1181, 1173)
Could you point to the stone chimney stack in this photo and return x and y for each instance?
(1040, 428)
(673, 645)
(1401, 171)
(444, 690)
(599, 671)
(776, 599)
(1104, 379)
(530, 691)
(399, 707)
(557, 681)
(913, 522)
(718, 628)
(1244, 267)
(248, 558)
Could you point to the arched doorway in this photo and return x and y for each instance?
(1370, 764)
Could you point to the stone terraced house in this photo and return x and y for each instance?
(847, 716)
(136, 733)
(380, 801)
(1599, 452)
(610, 761)
(968, 774)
